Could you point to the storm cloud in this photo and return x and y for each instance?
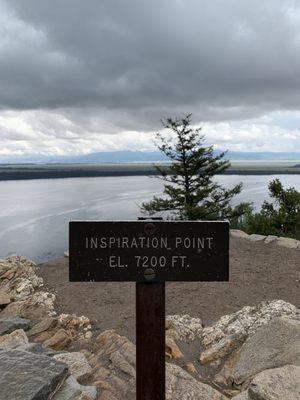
(74, 70)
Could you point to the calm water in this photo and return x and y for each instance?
(34, 214)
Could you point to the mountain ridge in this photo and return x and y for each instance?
(129, 156)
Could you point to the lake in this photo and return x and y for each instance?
(34, 214)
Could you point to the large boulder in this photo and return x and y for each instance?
(274, 384)
(273, 345)
(27, 376)
(230, 331)
(182, 386)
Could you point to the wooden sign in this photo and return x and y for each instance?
(148, 251)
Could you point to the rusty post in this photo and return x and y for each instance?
(150, 341)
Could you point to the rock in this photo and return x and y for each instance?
(13, 340)
(238, 234)
(275, 384)
(271, 239)
(119, 350)
(78, 365)
(77, 327)
(288, 243)
(183, 327)
(182, 386)
(273, 345)
(35, 307)
(222, 348)
(256, 238)
(18, 277)
(10, 324)
(29, 376)
(59, 341)
(107, 395)
(37, 348)
(115, 365)
(4, 298)
(72, 390)
(42, 326)
(246, 321)
(241, 396)
(172, 349)
(190, 368)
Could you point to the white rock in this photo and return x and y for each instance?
(271, 239)
(238, 234)
(72, 390)
(77, 363)
(180, 385)
(246, 321)
(288, 243)
(183, 327)
(256, 238)
(13, 340)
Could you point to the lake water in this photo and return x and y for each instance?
(34, 214)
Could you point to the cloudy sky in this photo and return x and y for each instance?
(82, 76)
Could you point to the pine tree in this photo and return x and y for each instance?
(190, 191)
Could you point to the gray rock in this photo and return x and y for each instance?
(182, 386)
(72, 390)
(256, 238)
(275, 384)
(183, 327)
(77, 363)
(242, 396)
(10, 324)
(271, 239)
(238, 234)
(288, 243)
(13, 340)
(37, 348)
(4, 298)
(273, 345)
(246, 321)
(27, 376)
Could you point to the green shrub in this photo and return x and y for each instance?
(280, 218)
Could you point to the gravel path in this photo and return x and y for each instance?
(258, 271)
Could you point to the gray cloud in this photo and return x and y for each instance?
(73, 74)
(221, 59)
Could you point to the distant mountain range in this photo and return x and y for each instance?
(139, 157)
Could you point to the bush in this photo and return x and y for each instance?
(280, 218)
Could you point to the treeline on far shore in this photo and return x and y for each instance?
(53, 171)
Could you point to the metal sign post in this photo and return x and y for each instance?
(149, 253)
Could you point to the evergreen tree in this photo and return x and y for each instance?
(190, 191)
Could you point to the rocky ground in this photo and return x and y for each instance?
(250, 354)
(259, 271)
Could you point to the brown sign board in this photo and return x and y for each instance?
(148, 251)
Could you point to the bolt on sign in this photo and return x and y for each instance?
(149, 253)
(143, 251)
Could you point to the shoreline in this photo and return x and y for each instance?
(47, 171)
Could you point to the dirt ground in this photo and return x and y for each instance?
(258, 271)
